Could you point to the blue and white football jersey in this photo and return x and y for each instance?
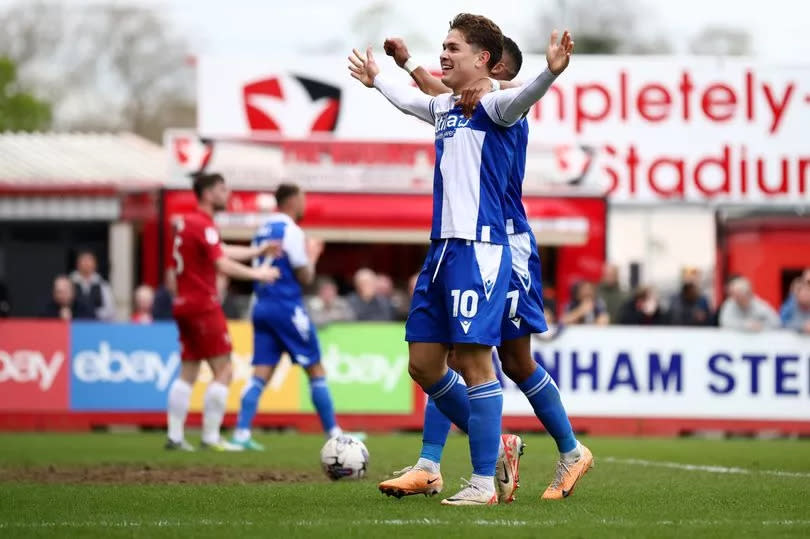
(473, 164)
(280, 227)
(514, 212)
(280, 322)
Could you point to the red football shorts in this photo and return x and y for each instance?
(203, 335)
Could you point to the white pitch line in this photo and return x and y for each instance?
(390, 522)
(702, 468)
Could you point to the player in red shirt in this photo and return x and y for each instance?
(197, 257)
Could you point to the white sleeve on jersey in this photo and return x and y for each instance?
(407, 99)
(507, 107)
(294, 244)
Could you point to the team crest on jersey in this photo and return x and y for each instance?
(448, 123)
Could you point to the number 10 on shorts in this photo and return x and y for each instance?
(466, 302)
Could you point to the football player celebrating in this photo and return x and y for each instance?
(522, 317)
(461, 291)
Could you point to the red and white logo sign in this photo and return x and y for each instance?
(293, 105)
(33, 365)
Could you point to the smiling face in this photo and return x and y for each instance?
(472, 47)
(462, 63)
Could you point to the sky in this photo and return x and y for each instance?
(778, 27)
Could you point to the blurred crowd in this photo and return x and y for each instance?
(606, 302)
(85, 295)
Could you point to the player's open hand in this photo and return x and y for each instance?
(270, 248)
(363, 68)
(559, 54)
(471, 96)
(395, 47)
(267, 274)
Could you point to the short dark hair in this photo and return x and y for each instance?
(286, 191)
(481, 32)
(202, 182)
(511, 48)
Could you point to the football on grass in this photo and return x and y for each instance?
(344, 457)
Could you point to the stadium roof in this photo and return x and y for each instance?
(79, 162)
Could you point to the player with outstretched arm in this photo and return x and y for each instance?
(461, 290)
(522, 317)
(280, 321)
(198, 254)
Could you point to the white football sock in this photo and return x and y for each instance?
(216, 399)
(179, 397)
(334, 432)
(427, 465)
(241, 435)
(484, 482)
(573, 455)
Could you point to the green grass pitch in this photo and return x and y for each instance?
(98, 485)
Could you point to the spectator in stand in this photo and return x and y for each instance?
(5, 305)
(63, 299)
(787, 307)
(327, 306)
(550, 303)
(412, 284)
(365, 302)
(745, 311)
(689, 308)
(94, 298)
(585, 307)
(798, 318)
(164, 297)
(643, 309)
(610, 291)
(400, 302)
(144, 303)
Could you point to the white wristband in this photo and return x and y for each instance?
(496, 85)
(410, 65)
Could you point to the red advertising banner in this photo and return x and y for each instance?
(34, 365)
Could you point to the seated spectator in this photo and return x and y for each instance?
(585, 307)
(365, 302)
(643, 309)
(790, 302)
(164, 298)
(549, 303)
(690, 307)
(412, 284)
(610, 291)
(326, 306)
(400, 301)
(144, 303)
(799, 316)
(63, 299)
(94, 298)
(5, 304)
(745, 311)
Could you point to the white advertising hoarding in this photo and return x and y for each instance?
(689, 373)
(644, 129)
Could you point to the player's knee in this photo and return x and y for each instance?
(223, 371)
(517, 368)
(422, 374)
(316, 371)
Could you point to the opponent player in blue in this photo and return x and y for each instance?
(522, 317)
(461, 291)
(280, 323)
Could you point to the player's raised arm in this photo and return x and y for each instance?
(243, 253)
(508, 106)
(408, 100)
(236, 270)
(395, 47)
